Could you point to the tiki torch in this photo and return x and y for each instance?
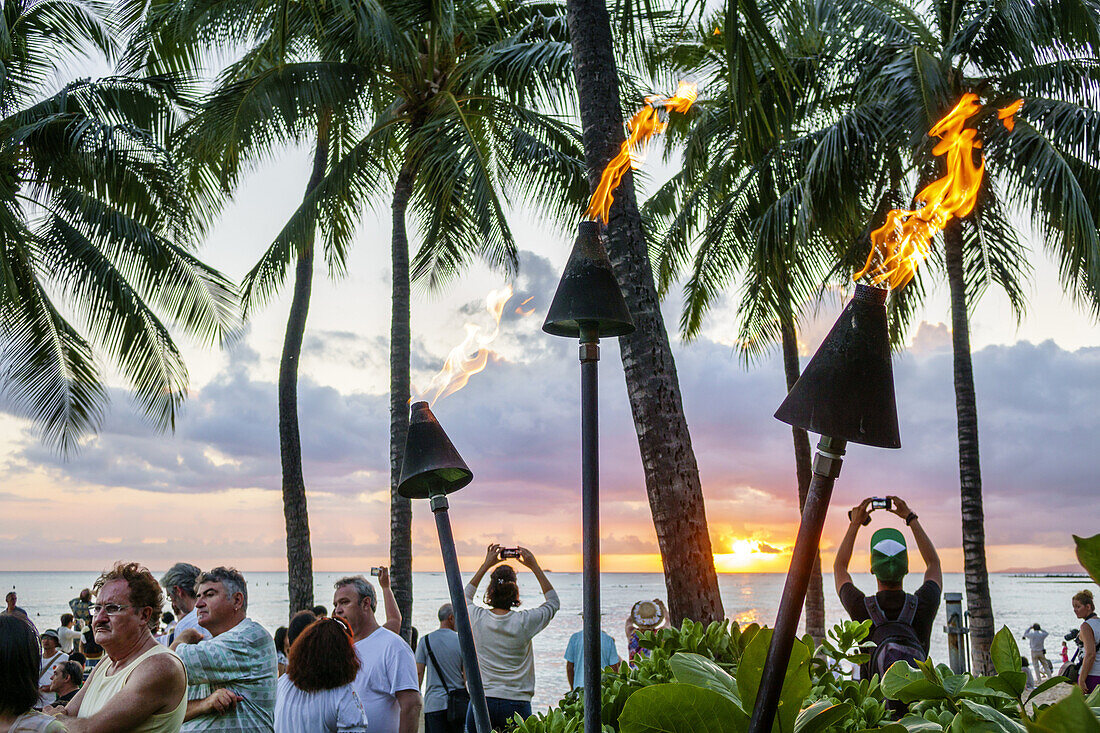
(431, 469)
(845, 394)
(587, 305)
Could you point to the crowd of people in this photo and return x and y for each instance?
(119, 661)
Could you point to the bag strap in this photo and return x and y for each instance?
(435, 664)
(909, 610)
(874, 610)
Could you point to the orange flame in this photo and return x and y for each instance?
(1005, 114)
(472, 355)
(646, 122)
(901, 244)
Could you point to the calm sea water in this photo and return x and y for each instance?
(1017, 602)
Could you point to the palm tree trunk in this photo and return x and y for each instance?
(671, 473)
(299, 556)
(815, 594)
(400, 350)
(970, 474)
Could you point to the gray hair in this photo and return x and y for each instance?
(445, 612)
(182, 574)
(230, 578)
(362, 587)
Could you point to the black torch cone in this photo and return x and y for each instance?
(431, 469)
(846, 393)
(588, 293)
(587, 305)
(431, 464)
(847, 389)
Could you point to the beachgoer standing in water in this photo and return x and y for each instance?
(1036, 637)
(1084, 607)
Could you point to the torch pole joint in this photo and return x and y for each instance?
(439, 503)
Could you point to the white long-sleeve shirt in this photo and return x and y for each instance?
(503, 644)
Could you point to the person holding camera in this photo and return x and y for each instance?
(901, 623)
(503, 636)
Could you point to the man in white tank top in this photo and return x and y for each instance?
(139, 686)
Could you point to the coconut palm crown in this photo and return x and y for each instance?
(95, 255)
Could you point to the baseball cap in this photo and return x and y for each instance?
(889, 555)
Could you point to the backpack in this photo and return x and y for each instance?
(895, 641)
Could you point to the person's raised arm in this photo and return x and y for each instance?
(393, 612)
(844, 551)
(492, 557)
(933, 570)
(528, 559)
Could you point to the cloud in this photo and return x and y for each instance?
(517, 426)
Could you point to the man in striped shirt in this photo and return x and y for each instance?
(231, 677)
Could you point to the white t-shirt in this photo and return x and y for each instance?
(1037, 639)
(386, 667)
(190, 620)
(67, 636)
(327, 711)
(503, 644)
(46, 674)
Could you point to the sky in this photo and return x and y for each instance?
(209, 492)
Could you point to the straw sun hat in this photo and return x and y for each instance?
(647, 614)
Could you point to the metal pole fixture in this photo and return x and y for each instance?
(827, 463)
(845, 394)
(587, 305)
(431, 468)
(590, 521)
(462, 616)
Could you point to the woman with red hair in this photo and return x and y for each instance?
(316, 693)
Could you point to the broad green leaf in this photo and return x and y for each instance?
(1088, 554)
(693, 669)
(1071, 713)
(902, 682)
(1005, 653)
(820, 715)
(917, 724)
(975, 717)
(796, 682)
(987, 687)
(680, 708)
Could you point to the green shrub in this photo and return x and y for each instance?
(704, 680)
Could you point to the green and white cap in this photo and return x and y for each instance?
(889, 555)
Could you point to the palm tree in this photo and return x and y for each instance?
(893, 74)
(672, 474)
(430, 105)
(728, 214)
(89, 225)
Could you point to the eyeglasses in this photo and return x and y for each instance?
(112, 609)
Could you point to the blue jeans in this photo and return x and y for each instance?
(500, 712)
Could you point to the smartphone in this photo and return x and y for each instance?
(508, 552)
(882, 504)
(376, 571)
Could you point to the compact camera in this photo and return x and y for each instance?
(882, 504)
(510, 552)
(376, 572)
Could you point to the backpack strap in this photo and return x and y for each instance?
(438, 671)
(874, 610)
(909, 610)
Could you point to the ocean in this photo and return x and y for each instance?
(1018, 602)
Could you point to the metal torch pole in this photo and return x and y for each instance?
(462, 616)
(827, 462)
(590, 530)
